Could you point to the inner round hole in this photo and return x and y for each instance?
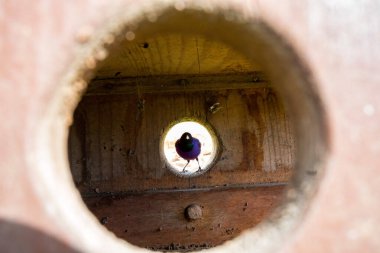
(180, 165)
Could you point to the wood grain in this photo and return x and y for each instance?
(173, 54)
(157, 220)
(121, 142)
(176, 83)
(141, 89)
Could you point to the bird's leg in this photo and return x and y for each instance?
(183, 171)
(198, 164)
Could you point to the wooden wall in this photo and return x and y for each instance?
(158, 221)
(114, 143)
(116, 164)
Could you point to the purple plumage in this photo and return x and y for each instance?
(189, 154)
(188, 148)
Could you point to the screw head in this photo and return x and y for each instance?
(193, 212)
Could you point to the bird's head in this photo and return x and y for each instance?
(186, 141)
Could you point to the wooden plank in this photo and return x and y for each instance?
(105, 134)
(173, 54)
(257, 142)
(157, 220)
(91, 107)
(176, 83)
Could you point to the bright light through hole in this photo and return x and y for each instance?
(208, 147)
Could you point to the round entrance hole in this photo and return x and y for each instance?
(208, 149)
(290, 82)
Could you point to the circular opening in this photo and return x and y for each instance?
(192, 163)
(257, 41)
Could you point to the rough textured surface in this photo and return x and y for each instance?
(172, 54)
(338, 41)
(115, 144)
(114, 148)
(193, 212)
(157, 219)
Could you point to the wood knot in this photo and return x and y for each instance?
(193, 212)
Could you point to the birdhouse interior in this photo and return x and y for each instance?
(145, 86)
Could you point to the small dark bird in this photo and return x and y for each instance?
(188, 148)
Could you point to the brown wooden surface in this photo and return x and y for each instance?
(114, 144)
(173, 54)
(177, 83)
(157, 220)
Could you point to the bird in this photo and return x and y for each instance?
(189, 148)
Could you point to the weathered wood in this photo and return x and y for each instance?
(173, 54)
(176, 83)
(122, 139)
(158, 221)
